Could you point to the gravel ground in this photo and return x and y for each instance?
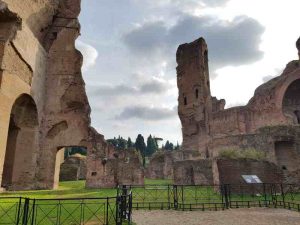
(252, 216)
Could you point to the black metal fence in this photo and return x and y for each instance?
(218, 197)
(117, 210)
(77, 211)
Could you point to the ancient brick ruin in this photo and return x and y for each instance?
(44, 106)
(73, 168)
(269, 122)
(161, 165)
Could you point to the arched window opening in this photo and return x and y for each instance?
(22, 144)
(70, 164)
(185, 101)
(197, 93)
(291, 102)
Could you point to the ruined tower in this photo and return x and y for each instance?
(195, 102)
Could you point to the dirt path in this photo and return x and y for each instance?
(253, 216)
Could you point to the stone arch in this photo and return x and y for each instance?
(22, 145)
(291, 101)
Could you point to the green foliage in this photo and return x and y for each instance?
(177, 147)
(75, 150)
(141, 146)
(146, 150)
(129, 143)
(249, 153)
(120, 143)
(151, 146)
(169, 146)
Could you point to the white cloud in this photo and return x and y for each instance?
(90, 55)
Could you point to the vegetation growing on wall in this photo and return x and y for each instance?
(249, 153)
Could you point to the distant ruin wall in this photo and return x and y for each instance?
(160, 166)
(73, 168)
(121, 167)
(194, 172)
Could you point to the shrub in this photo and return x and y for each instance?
(249, 153)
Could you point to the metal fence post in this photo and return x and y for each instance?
(129, 208)
(265, 194)
(19, 211)
(118, 210)
(229, 194)
(182, 197)
(175, 196)
(225, 195)
(33, 213)
(107, 220)
(25, 211)
(169, 199)
(282, 195)
(124, 201)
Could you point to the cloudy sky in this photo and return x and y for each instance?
(129, 51)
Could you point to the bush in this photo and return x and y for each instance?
(249, 153)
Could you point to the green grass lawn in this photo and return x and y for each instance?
(75, 189)
(69, 189)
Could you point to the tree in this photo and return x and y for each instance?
(129, 143)
(141, 146)
(151, 146)
(113, 142)
(122, 143)
(169, 146)
(177, 147)
(74, 150)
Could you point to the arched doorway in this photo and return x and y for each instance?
(70, 164)
(22, 145)
(291, 102)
